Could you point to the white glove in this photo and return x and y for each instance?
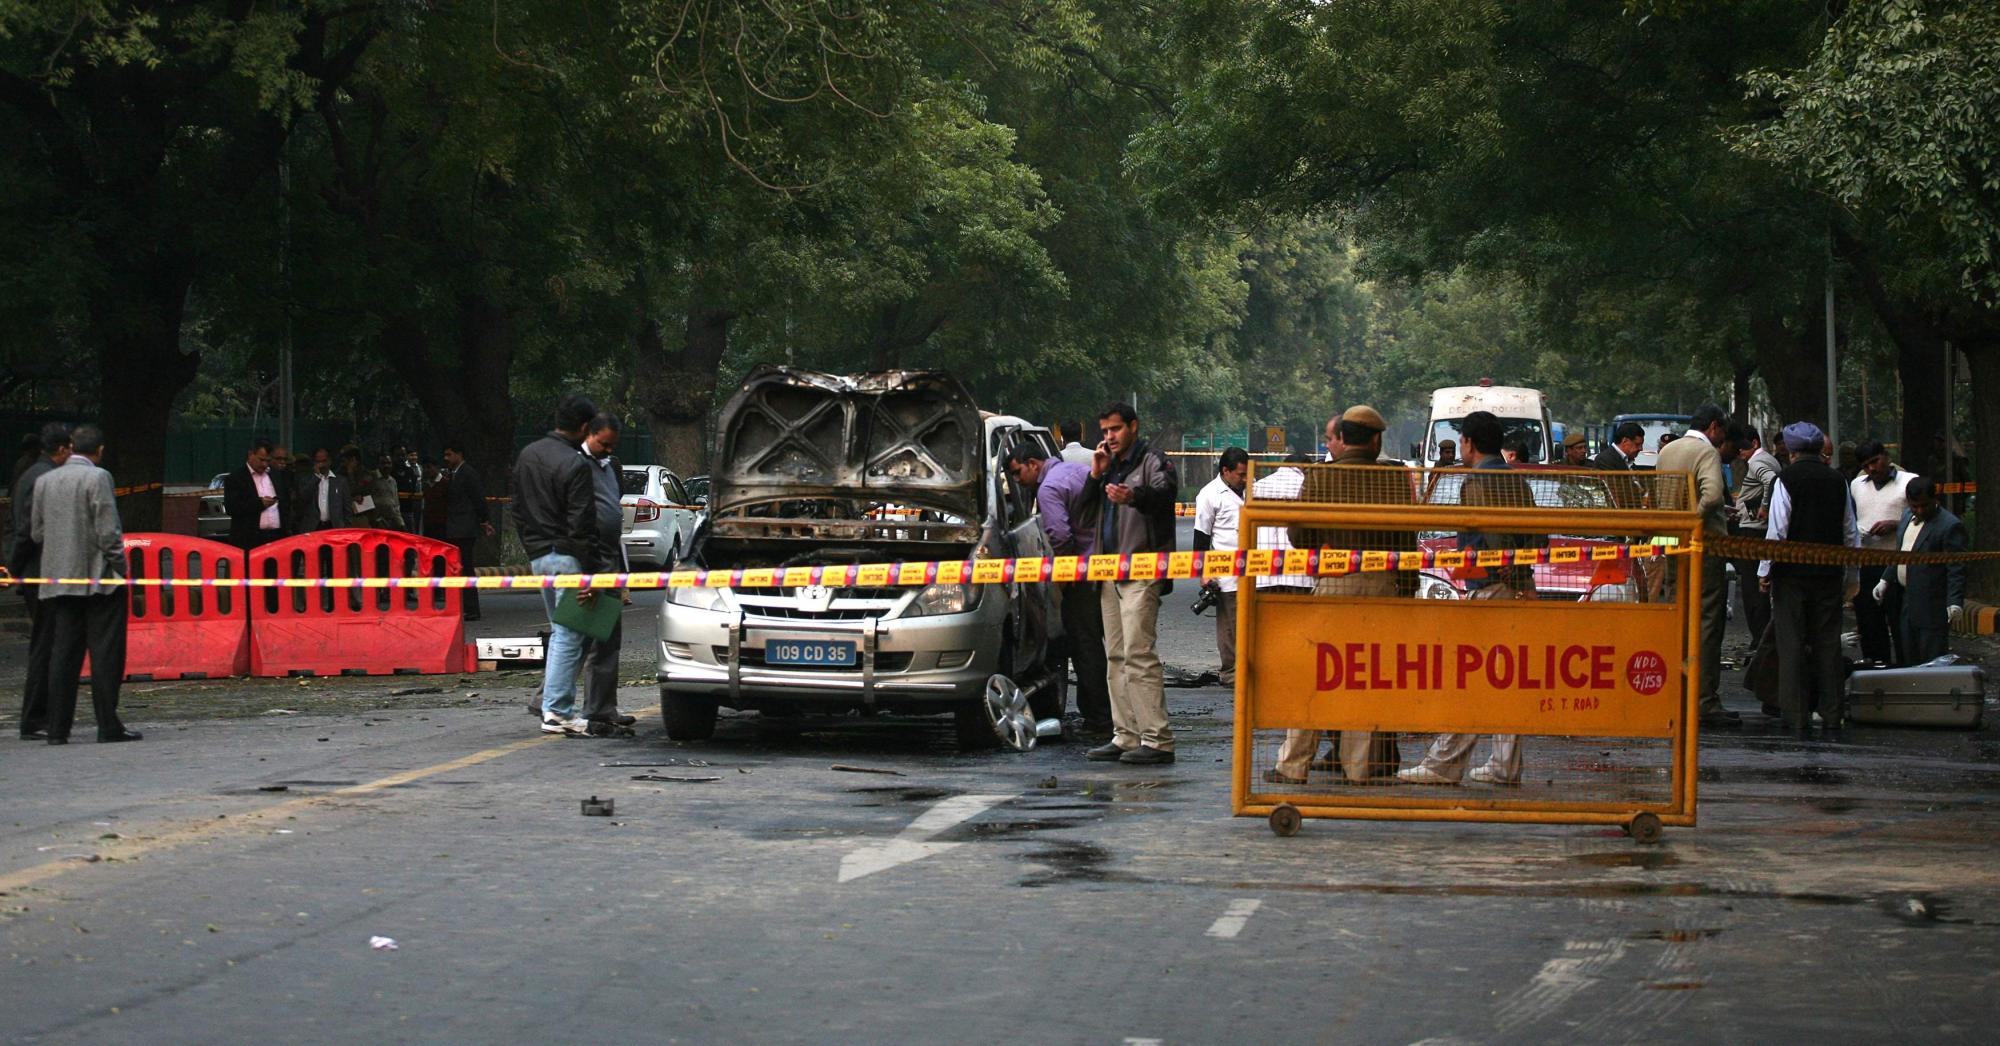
(1952, 614)
(1881, 589)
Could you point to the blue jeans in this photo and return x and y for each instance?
(565, 653)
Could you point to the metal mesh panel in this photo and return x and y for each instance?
(1553, 535)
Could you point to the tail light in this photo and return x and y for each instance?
(644, 511)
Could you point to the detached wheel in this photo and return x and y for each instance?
(1286, 820)
(688, 718)
(1644, 829)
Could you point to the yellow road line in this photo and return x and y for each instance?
(203, 831)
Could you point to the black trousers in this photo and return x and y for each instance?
(1755, 601)
(1806, 611)
(600, 671)
(1880, 623)
(470, 602)
(1083, 645)
(41, 643)
(96, 622)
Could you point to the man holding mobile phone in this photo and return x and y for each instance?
(1138, 484)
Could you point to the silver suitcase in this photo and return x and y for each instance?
(1932, 694)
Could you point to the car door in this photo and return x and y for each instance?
(675, 493)
(1034, 617)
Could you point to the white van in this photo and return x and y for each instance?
(1524, 412)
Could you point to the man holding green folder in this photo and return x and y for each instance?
(555, 514)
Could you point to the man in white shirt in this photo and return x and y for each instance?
(322, 496)
(250, 494)
(1809, 504)
(1281, 485)
(1215, 527)
(1881, 496)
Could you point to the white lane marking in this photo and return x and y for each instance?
(1233, 918)
(1144, 1042)
(913, 843)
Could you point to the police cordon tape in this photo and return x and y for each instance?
(1153, 566)
(1150, 566)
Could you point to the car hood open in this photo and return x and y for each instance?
(906, 436)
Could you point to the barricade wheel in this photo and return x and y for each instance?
(1286, 820)
(1644, 829)
(688, 718)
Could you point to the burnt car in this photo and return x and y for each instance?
(824, 470)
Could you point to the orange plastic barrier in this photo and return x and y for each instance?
(184, 631)
(301, 628)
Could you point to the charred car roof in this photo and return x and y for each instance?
(907, 436)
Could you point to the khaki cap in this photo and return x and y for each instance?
(1365, 415)
(1575, 439)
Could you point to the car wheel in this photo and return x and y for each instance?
(688, 718)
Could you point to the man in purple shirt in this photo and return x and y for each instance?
(1069, 514)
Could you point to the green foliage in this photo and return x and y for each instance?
(1894, 114)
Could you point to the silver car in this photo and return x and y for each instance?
(658, 525)
(831, 471)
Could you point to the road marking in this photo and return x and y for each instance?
(201, 831)
(1144, 1042)
(1233, 918)
(914, 842)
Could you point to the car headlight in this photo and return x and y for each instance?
(945, 599)
(1436, 588)
(697, 597)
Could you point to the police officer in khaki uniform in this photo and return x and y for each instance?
(1352, 478)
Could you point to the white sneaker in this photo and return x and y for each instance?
(576, 726)
(554, 724)
(1423, 775)
(1488, 775)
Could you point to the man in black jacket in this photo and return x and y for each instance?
(1810, 504)
(1624, 445)
(1136, 484)
(25, 560)
(1933, 594)
(465, 519)
(257, 511)
(555, 513)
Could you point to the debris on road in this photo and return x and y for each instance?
(281, 711)
(846, 769)
(1048, 782)
(274, 788)
(668, 777)
(595, 807)
(670, 762)
(382, 944)
(412, 691)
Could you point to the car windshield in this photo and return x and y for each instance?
(1527, 430)
(1657, 427)
(632, 481)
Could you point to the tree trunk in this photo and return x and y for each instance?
(1792, 360)
(1983, 579)
(464, 391)
(1740, 372)
(676, 387)
(141, 370)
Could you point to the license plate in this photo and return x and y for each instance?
(816, 652)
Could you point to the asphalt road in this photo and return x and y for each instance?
(163, 892)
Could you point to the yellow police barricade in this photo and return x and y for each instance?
(1477, 645)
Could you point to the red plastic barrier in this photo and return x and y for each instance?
(184, 633)
(355, 631)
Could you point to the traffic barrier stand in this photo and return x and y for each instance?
(1475, 646)
(302, 628)
(183, 629)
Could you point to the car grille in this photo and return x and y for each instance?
(886, 662)
(849, 604)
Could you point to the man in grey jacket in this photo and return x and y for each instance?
(1137, 485)
(25, 560)
(75, 521)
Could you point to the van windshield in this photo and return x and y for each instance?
(1525, 431)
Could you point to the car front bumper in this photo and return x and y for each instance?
(922, 663)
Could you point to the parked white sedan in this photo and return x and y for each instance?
(658, 524)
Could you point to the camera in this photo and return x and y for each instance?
(1209, 596)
